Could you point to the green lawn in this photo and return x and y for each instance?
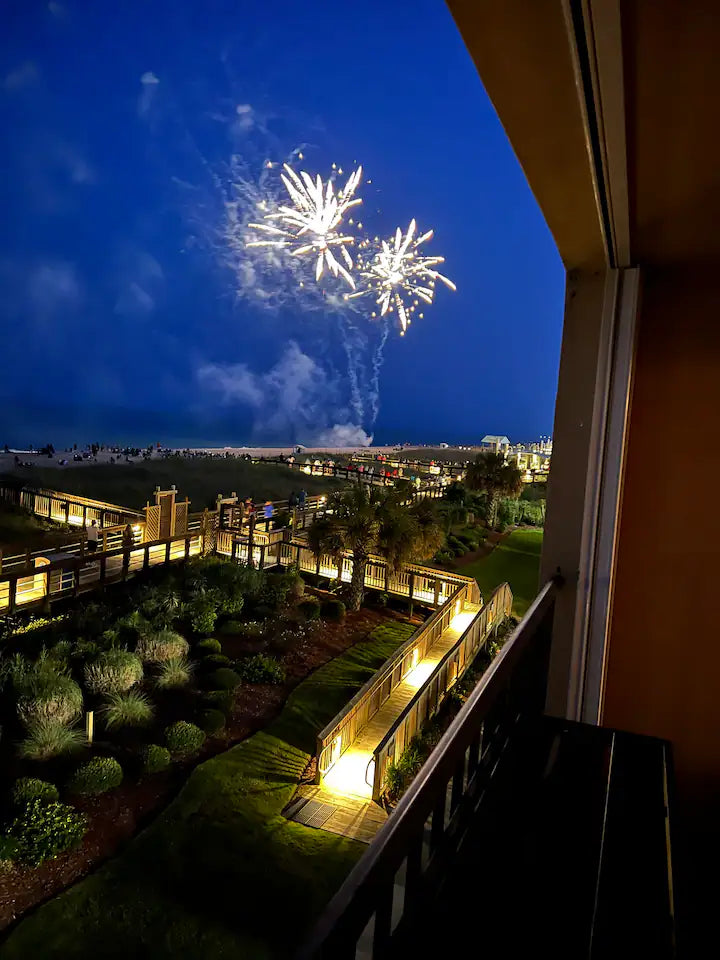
(132, 485)
(221, 873)
(517, 560)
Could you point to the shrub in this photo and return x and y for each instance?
(222, 700)
(47, 738)
(203, 614)
(211, 721)
(231, 602)
(30, 788)
(224, 679)
(174, 674)
(155, 758)
(382, 599)
(333, 610)
(45, 829)
(131, 709)
(183, 738)
(161, 646)
(262, 669)
(229, 627)
(114, 671)
(309, 608)
(215, 660)
(61, 701)
(96, 776)
(211, 645)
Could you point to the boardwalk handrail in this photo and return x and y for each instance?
(460, 765)
(6, 487)
(428, 698)
(356, 714)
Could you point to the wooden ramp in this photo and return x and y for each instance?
(352, 774)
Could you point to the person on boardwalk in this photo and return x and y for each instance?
(292, 500)
(268, 510)
(302, 497)
(92, 537)
(128, 538)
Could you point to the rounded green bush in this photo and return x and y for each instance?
(214, 660)
(211, 721)
(224, 679)
(262, 669)
(183, 738)
(31, 788)
(161, 646)
(203, 615)
(96, 776)
(309, 608)
(114, 671)
(210, 645)
(155, 758)
(222, 700)
(333, 610)
(45, 829)
(61, 700)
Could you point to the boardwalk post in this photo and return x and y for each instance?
(187, 547)
(262, 555)
(67, 511)
(251, 539)
(0, 559)
(437, 593)
(411, 592)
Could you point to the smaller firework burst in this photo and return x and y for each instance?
(311, 226)
(398, 275)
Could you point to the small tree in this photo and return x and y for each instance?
(498, 478)
(366, 520)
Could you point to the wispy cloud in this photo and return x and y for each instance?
(149, 83)
(74, 163)
(26, 75)
(57, 9)
(139, 281)
(39, 294)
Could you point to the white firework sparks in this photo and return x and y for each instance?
(311, 226)
(399, 275)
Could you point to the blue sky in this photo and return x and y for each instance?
(125, 312)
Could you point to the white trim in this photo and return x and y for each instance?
(613, 475)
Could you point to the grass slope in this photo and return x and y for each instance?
(517, 560)
(131, 485)
(20, 530)
(221, 873)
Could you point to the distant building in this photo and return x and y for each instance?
(497, 443)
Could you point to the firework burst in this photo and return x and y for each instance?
(398, 275)
(311, 226)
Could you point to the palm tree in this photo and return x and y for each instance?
(498, 478)
(366, 520)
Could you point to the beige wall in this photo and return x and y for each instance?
(663, 662)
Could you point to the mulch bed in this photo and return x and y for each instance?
(493, 539)
(117, 816)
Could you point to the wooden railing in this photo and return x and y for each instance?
(392, 888)
(342, 730)
(109, 539)
(69, 507)
(51, 579)
(430, 696)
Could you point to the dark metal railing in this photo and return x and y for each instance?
(392, 885)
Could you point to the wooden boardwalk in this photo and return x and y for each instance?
(352, 774)
(351, 817)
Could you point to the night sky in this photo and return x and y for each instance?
(126, 315)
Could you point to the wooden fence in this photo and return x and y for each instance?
(342, 730)
(426, 702)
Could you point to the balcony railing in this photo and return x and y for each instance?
(389, 890)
